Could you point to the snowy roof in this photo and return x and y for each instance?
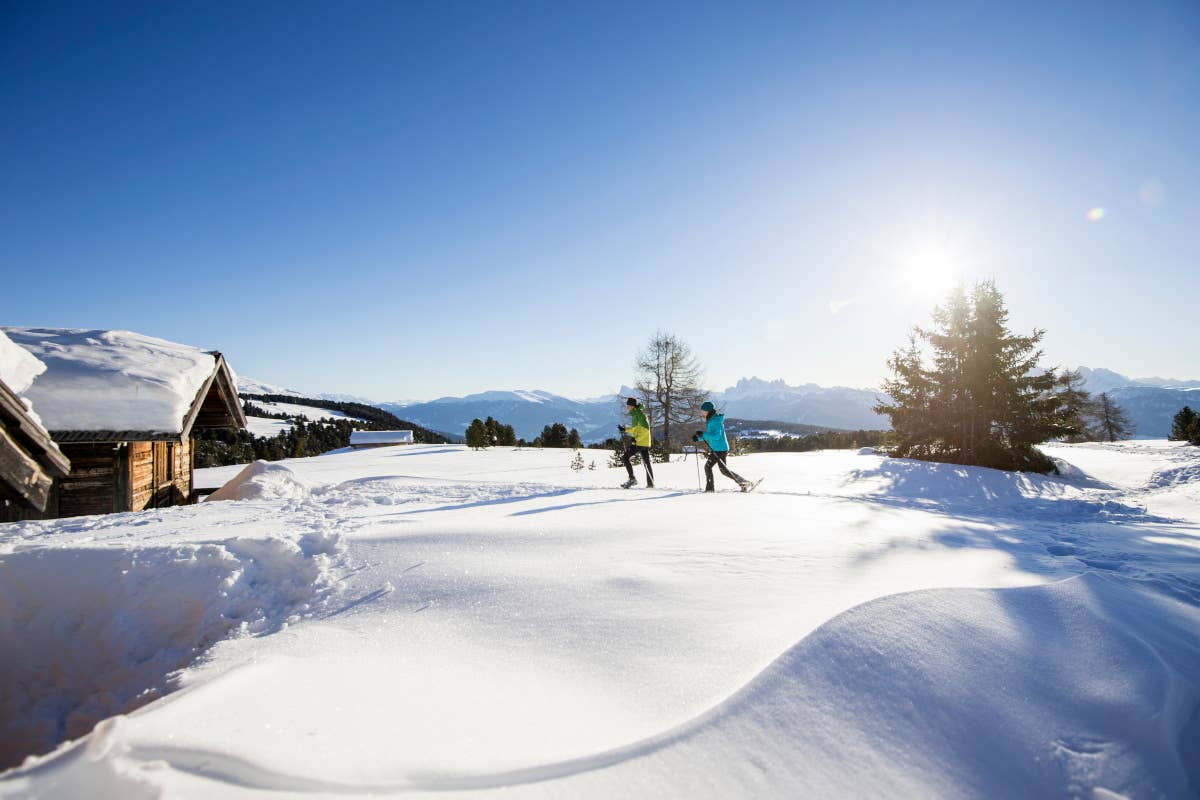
(113, 385)
(18, 367)
(381, 437)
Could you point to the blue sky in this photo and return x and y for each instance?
(407, 200)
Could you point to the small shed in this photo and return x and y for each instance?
(364, 439)
(122, 408)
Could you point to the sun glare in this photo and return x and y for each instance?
(930, 267)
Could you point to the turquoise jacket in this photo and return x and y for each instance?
(714, 433)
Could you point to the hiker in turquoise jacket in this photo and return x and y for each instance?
(639, 432)
(714, 436)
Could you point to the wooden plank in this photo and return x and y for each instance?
(22, 474)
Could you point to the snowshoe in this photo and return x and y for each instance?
(750, 486)
(629, 484)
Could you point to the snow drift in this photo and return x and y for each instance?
(1089, 684)
(262, 480)
(1087, 687)
(89, 633)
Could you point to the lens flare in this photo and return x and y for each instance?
(1096, 214)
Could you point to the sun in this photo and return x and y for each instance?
(930, 267)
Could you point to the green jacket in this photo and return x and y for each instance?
(639, 427)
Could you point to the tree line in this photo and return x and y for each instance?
(481, 434)
(485, 433)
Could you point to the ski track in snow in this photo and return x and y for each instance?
(1054, 527)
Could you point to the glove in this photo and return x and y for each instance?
(621, 428)
(697, 436)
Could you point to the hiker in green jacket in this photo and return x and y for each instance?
(639, 432)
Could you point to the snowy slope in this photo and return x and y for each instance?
(438, 619)
(299, 410)
(268, 427)
(248, 385)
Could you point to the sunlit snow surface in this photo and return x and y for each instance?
(437, 619)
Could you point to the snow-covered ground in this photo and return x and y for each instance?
(420, 619)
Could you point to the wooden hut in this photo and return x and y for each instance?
(122, 408)
(29, 460)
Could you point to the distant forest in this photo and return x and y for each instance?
(218, 448)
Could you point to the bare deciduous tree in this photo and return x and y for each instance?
(1112, 423)
(669, 382)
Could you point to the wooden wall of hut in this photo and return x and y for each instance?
(124, 476)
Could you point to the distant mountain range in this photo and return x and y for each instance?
(596, 418)
(1150, 403)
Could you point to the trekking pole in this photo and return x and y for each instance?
(696, 453)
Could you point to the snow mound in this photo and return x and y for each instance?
(1078, 688)
(959, 489)
(1175, 477)
(89, 633)
(112, 380)
(263, 480)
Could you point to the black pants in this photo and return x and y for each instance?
(632, 450)
(718, 457)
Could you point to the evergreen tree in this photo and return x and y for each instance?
(1079, 410)
(912, 414)
(555, 435)
(618, 450)
(507, 437)
(573, 440)
(1182, 425)
(577, 462)
(477, 435)
(491, 430)
(1112, 423)
(983, 400)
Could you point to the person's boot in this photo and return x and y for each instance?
(649, 482)
(709, 488)
(629, 484)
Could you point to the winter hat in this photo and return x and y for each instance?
(707, 406)
(632, 401)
